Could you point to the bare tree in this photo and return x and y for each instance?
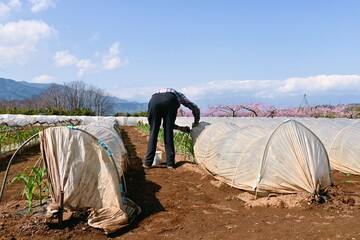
(100, 102)
(70, 97)
(75, 95)
(53, 97)
(231, 110)
(78, 95)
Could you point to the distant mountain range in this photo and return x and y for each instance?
(14, 90)
(125, 106)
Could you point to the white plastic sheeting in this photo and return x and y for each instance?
(108, 132)
(341, 139)
(18, 120)
(25, 120)
(282, 158)
(340, 136)
(86, 163)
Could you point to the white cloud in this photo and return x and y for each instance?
(5, 9)
(15, 4)
(225, 88)
(43, 79)
(112, 59)
(111, 63)
(320, 89)
(64, 58)
(41, 5)
(18, 40)
(321, 83)
(84, 65)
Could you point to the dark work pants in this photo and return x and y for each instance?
(162, 107)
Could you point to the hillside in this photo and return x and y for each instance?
(21, 90)
(125, 106)
(13, 90)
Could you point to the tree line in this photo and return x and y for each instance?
(262, 110)
(79, 98)
(74, 98)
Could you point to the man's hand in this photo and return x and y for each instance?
(184, 129)
(195, 124)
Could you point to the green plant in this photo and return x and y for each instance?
(12, 137)
(29, 190)
(183, 144)
(161, 135)
(143, 127)
(229, 198)
(351, 181)
(19, 135)
(182, 141)
(32, 182)
(40, 173)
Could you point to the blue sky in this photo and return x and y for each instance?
(228, 51)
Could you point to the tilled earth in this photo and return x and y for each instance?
(188, 203)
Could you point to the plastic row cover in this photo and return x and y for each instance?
(87, 164)
(284, 158)
(340, 136)
(25, 120)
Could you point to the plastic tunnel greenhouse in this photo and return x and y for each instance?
(340, 137)
(281, 157)
(80, 167)
(85, 160)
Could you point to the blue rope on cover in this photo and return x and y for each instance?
(102, 144)
(122, 193)
(109, 152)
(287, 120)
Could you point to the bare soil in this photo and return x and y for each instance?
(188, 203)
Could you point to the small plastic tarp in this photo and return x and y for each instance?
(280, 158)
(89, 173)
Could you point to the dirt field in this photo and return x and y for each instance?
(187, 203)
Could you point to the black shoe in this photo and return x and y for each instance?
(145, 166)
